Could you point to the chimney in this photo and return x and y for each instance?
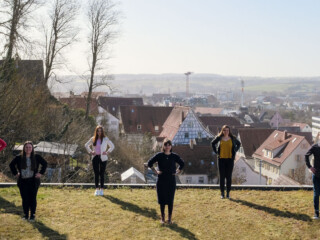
(182, 116)
(285, 135)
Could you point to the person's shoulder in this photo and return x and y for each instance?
(175, 154)
(37, 156)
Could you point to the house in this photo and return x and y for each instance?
(277, 120)
(282, 153)
(205, 111)
(137, 121)
(132, 175)
(32, 70)
(182, 125)
(200, 165)
(251, 139)
(78, 102)
(109, 112)
(112, 104)
(315, 127)
(214, 123)
(244, 174)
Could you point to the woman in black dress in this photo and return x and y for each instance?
(166, 183)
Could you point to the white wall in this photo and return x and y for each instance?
(251, 177)
(194, 178)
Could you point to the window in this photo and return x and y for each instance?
(156, 128)
(243, 170)
(113, 108)
(186, 135)
(199, 134)
(132, 110)
(201, 162)
(139, 127)
(189, 180)
(201, 180)
(297, 157)
(189, 163)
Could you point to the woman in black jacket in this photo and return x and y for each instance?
(166, 183)
(25, 168)
(225, 145)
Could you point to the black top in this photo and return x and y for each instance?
(15, 165)
(166, 163)
(315, 151)
(235, 146)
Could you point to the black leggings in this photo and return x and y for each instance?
(170, 209)
(225, 171)
(28, 191)
(99, 168)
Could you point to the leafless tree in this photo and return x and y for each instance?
(103, 19)
(16, 17)
(61, 34)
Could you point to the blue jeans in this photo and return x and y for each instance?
(316, 192)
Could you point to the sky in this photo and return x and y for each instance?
(267, 38)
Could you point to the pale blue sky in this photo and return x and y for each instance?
(228, 37)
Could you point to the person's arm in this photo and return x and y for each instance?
(307, 155)
(13, 165)
(214, 143)
(180, 162)
(152, 161)
(237, 144)
(111, 146)
(87, 145)
(43, 164)
(3, 144)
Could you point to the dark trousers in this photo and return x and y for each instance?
(99, 168)
(225, 171)
(316, 192)
(28, 191)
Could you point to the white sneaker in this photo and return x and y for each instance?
(101, 192)
(97, 192)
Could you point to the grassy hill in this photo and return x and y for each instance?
(67, 213)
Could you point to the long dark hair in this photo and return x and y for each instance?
(96, 137)
(224, 127)
(24, 157)
(165, 142)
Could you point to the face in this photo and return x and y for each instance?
(226, 132)
(28, 148)
(167, 147)
(99, 131)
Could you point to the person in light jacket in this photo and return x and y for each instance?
(99, 146)
(225, 145)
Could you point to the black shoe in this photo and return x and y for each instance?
(222, 196)
(32, 218)
(228, 195)
(25, 217)
(316, 215)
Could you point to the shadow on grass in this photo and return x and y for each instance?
(150, 213)
(274, 211)
(43, 229)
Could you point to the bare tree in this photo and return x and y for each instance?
(62, 32)
(16, 16)
(103, 19)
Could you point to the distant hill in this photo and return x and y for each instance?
(199, 83)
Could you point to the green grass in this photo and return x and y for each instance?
(67, 213)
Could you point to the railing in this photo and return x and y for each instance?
(179, 186)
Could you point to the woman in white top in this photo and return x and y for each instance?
(100, 147)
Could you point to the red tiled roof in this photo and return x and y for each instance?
(214, 123)
(81, 103)
(208, 111)
(252, 138)
(147, 116)
(172, 123)
(276, 140)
